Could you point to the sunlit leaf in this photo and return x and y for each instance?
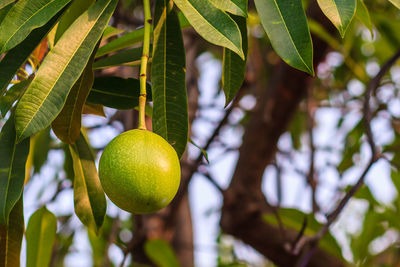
(13, 60)
(67, 125)
(40, 235)
(76, 9)
(116, 92)
(111, 31)
(235, 7)
(396, 3)
(94, 109)
(131, 56)
(61, 68)
(25, 16)
(12, 168)
(339, 12)
(233, 67)
(11, 236)
(161, 253)
(170, 115)
(4, 3)
(286, 25)
(212, 24)
(89, 200)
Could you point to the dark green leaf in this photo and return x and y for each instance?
(12, 95)
(170, 114)
(131, 56)
(11, 236)
(212, 24)
(41, 146)
(233, 67)
(40, 235)
(4, 3)
(67, 125)
(235, 7)
(161, 253)
(61, 68)
(10, 64)
(25, 16)
(116, 92)
(4, 10)
(89, 200)
(286, 25)
(12, 168)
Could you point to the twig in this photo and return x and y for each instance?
(207, 175)
(331, 217)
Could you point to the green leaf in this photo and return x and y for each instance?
(131, 39)
(67, 125)
(396, 3)
(363, 15)
(12, 168)
(116, 92)
(89, 200)
(40, 235)
(339, 12)
(14, 59)
(25, 16)
(235, 7)
(111, 31)
(131, 56)
(61, 68)
(212, 24)
(233, 67)
(161, 253)
(170, 112)
(293, 218)
(4, 3)
(41, 146)
(76, 9)
(12, 95)
(286, 26)
(11, 237)
(4, 11)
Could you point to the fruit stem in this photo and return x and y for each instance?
(143, 64)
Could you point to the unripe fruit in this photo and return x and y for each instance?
(139, 171)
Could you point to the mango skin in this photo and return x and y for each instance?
(140, 171)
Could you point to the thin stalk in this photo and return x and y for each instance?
(143, 64)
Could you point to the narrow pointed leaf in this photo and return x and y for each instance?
(363, 15)
(12, 168)
(170, 115)
(12, 95)
(11, 236)
(161, 253)
(67, 125)
(116, 92)
(89, 200)
(40, 236)
(76, 9)
(286, 25)
(396, 3)
(339, 12)
(233, 67)
(111, 31)
(128, 56)
(10, 64)
(235, 7)
(212, 24)
(25, 16)
(61, 68)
